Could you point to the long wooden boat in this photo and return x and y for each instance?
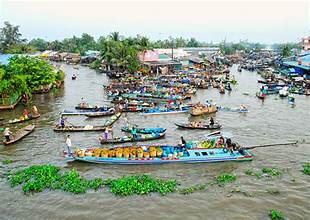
(21, 133)
(87, 112)
(145, 130)
(261, 95)
(202, 126)
(100, 114)
(89, 127)
(141, 137)
(91, 107)
(18, 120)
(156, 155)
(200, 110)
(159, 111)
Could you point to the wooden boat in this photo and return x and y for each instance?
(202, 126)
(100, 114)
(21, 133)
(85, 106)
(200, 110)
(141, 137)
(19, 120)
(159, 111)
(157, 155)
(73, 77)
(88, 112)
(89, 127)
(228, 88)
(145, 130)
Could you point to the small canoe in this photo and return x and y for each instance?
(200, 110)
(92, 108)
(100, 114)
(73, 77)
(17, 120)
(20, 134)
(228, 88)
(202, 127)
(157, 111)
(89, 127)
(157, 155)
(145, 130)
(141, 137)
(87, 112)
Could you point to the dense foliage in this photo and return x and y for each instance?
(276, 215)
(306, 169)
(25, 74)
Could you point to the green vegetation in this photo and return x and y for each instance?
(8, 161)
(25, 74)
(39, 178)
(265, 172)
(272, 172)
(140, 185)
(306, 169)
(225, 178)
(276, 215)
(194, 188)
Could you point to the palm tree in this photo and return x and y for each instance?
(114, 36)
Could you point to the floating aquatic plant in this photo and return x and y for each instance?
(306, 169)
(7, 161)
(276, 215)
(141, 185)
(40, 177)
(273, 172)
(225, 178)
(273, 191)
(192, 189)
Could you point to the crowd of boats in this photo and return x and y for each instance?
(156, 95)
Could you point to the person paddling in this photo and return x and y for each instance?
(183, 142)
(62, 122)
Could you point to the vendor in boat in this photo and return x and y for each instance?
(134, 132)
(35, 110)
(211, 121)
(220, 142)
(7, 133)
(83, 104)
(62, 121)
(25, 114)
(229, 145)
(106, 133)
(243, 107)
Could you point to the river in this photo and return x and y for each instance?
(270, 121)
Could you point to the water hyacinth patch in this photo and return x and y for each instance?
(194, 188)
(273, 172)
(276, 215)
(41, 177)
(141, 185)
(306, 169)
(225, 178)
(7, 161)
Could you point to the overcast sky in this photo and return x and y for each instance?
(266, 21)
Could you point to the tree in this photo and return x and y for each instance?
(285, 50)
(193, 43)
(55, 45)
(9, 37)
(39, 44)
(114, 36)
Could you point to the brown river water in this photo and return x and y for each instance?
(270, 121)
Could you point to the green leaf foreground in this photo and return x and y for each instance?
(306, 169)
(276, 215)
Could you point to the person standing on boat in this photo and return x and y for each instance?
(62, 121)
(211, 121)
(183, 142)
(134, 132)
(69, 145)
(106, 133)
(7, 134)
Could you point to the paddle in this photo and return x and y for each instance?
(270, 145)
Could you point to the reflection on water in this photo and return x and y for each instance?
(270, 121)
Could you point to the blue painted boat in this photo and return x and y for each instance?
(159, 111)
(157, 155)
(87, 112)
(139, 137)
(145, 130)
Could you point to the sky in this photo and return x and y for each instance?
(265, 21)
